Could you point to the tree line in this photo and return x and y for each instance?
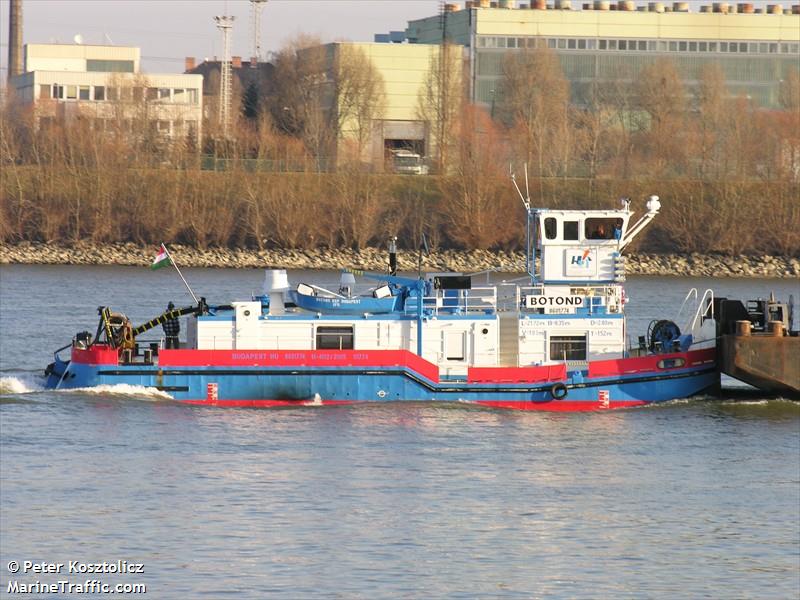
(727, 171)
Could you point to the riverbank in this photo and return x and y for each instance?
(375, 259)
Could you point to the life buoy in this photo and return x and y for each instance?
(558, 391)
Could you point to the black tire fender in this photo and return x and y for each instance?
(558, 391)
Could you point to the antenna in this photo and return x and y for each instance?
(255, 21)
(526, 199)
(530, 222)
(225, 24)
(423, 247)
(78, 39)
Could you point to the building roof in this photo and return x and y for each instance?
(606, 23)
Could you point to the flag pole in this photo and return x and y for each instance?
(174, 264)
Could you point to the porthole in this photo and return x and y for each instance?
(247, 313)
(484, 331)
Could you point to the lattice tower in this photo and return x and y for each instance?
(256, 6)
(225, 24)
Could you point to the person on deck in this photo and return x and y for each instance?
(599, 233)
(618, 229)
(172, 328)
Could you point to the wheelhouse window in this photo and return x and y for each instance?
(570, 230)
(550, 230)
(335, 338)
(602, 228)
(568, 347)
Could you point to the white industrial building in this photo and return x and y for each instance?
(104, 84)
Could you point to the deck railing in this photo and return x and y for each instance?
(455, 302)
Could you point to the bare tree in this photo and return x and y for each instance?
(441, 98)
(712, 116)
(534, 98)
(476, 199)
(358, 96)
(662, 96)
(790, 91)
(298, 99)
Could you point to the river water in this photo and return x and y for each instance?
(691, 499)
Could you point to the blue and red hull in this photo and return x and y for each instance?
(240, 378)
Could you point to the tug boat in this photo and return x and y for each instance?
(555, 342)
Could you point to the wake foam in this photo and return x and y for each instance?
(119, 389)
(23, 384)
(315, 401)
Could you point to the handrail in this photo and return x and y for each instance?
(484, 272)
(709, 307)
(691, 293)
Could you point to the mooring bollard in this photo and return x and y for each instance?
(743, 328)
(775, 328)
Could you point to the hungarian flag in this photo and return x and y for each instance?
(162, 260)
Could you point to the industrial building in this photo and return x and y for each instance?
(104, 84)
(252, 74)
(404, 69)
(606, 41)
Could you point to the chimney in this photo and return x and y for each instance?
(14, 38)
(236, 62)
(188, 63)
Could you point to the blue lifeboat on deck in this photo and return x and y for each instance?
(383, 299)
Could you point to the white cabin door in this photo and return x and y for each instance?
(247, 314)
(455, 346)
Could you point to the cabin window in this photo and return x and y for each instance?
(550, 230)
(570, 230)
(603, 229)
(568, 347)
(335, 338)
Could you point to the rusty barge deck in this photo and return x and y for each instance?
(757, 345)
